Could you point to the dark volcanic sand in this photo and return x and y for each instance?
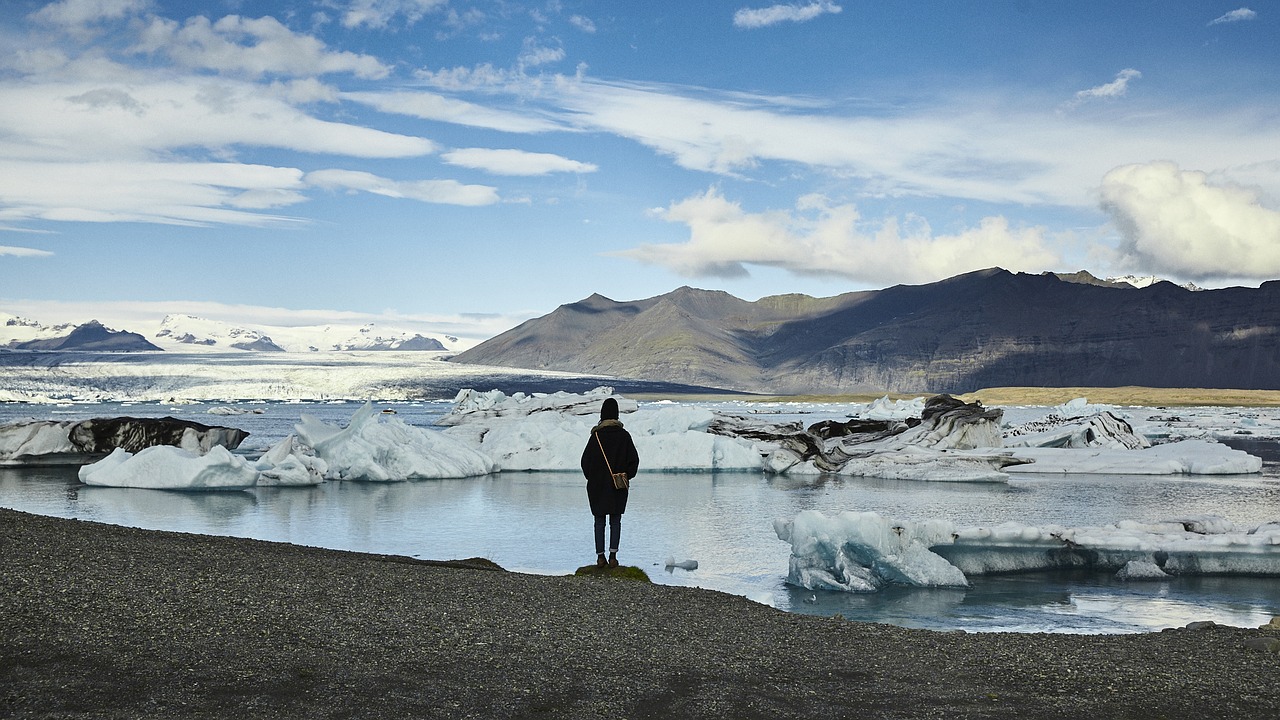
(111, 622)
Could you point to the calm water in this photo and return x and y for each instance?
(538, 522)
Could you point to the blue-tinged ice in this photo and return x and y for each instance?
(862, 552)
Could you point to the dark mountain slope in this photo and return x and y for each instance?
(93, 336)
(982, 329)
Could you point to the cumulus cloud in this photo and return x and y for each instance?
(534, 54)
(380, 13)
(23, 252)
(818, 238)
(1115, 88)
(80, 13)
(584, 24)
(1239, 15)
(260, 46)
(514, 162)
(446, 192)
(1175, 221)
(751, 18)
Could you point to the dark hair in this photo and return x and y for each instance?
(609, 409)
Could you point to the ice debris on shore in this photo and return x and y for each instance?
(864, 552)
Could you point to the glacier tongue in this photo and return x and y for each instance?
(862, 552)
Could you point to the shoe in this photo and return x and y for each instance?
(613, 560)
(601, 562)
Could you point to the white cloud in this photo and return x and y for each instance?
(252, 46)
(23, 252)
(762, 17)
(1239, 15)
(447, 192)
(431, 106)
(1115, 88)
(380, 13)
(99, 121)
(584, 24)
(168, 193)
(514, 162)
(534, 55)
(1173, 221)
(817, 238)
(74, 14)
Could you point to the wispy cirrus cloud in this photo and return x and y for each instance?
(1239, 15)
(515, 162)
(445, 192)
(1113, 89)
(751, 18)
(23, 252)
(433, 106)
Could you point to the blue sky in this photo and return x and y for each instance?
(483, 162)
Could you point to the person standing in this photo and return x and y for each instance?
(609, 451)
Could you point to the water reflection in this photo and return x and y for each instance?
(539, 522)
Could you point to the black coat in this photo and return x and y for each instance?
(605, 500)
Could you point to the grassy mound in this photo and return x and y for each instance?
(624, 572)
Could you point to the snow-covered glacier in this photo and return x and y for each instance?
(864, 552)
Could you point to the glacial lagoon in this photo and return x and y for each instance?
(538, 523)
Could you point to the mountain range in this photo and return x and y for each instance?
(192, 334)
(990, 328)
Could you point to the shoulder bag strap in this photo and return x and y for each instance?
(603, 453)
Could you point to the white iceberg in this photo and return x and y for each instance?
(1189, 457)
(668, 438)
(953, 442)
(289, 462)
(164, 467)
(862, 552)
(379, 448)
(472, 405)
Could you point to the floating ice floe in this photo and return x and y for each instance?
(163, 467)
(52, 442)
(289, 462)
(863, 552)
(472, 405)
(549, 432)
(379, 448)
(949, 441)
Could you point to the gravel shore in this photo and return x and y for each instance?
(110, 622)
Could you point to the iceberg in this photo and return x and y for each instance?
(289, 463)
(472, 405)
(863, 552)
(1189, 457)
(668, 438)
(52, 442)
(163, 467)
(951, 441)
(375, 449)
